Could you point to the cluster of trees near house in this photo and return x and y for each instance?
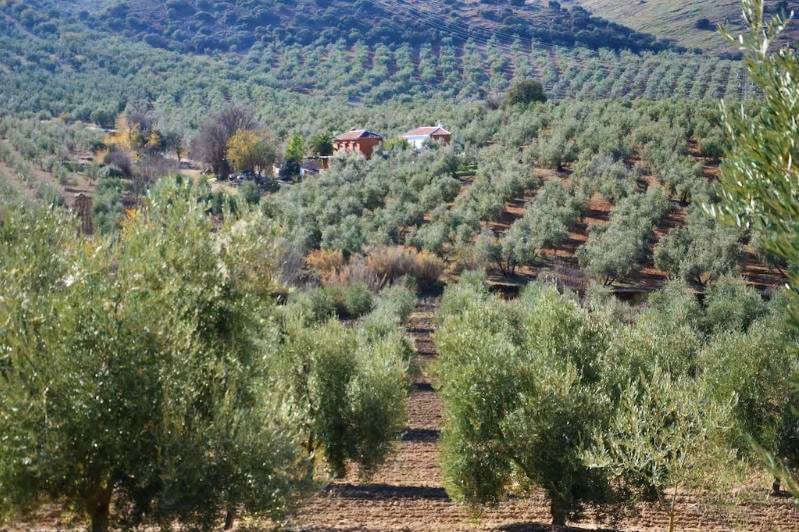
(606, 149)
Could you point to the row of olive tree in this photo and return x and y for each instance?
(152, 371)
(600, 402)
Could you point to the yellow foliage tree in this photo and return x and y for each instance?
(250, 151)
(128, 136)
(155, 141)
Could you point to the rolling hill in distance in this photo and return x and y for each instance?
(691, 24)
(200, 26)
(360, 52)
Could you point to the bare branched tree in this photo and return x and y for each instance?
(210, 144)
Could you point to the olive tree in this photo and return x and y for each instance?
(759, 367)
(617, 250)
(759, 178)
(525, 92)
(353, 386)
(517, 406)
(545, 224)
(700, 251)
(666, 434)
(137, 363)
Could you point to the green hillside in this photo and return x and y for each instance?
(200, 26)
(57, 54)
(681, 21)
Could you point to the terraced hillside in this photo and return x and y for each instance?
(691, 23)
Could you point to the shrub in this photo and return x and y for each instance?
(392, 263)
(732, 306)
(394, 306)
(358, 300)
(343, 301)
(398, 300)
(250, 192)
(326, 263)
(119, 164)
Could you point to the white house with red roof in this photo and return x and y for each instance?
(421, 135)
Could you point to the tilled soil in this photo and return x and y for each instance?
(407, 493)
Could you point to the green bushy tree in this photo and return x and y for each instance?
(758, 368)
(137, 363)
(525, 92)
(353, 388)
(700, 251)
(759, 178)
(666, 434)
(618, 250)
(732, 306)
(517, 407)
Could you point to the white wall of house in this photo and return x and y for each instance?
(417, 141)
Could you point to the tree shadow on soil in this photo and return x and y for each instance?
(540, 527)
(386, 491)
(421, 435)
(423, 387)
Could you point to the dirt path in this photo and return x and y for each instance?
(407, 493)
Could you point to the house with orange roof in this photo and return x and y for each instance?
(361, 141)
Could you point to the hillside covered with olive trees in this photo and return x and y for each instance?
(398, 265)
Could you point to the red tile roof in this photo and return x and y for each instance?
(426, 132)
(355, 134)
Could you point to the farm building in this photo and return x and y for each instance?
(419, 136)
(360, 141)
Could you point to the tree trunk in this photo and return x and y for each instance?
(99, 509)
(672, 510)
(339, 469)
(230, 517)
(558, 515)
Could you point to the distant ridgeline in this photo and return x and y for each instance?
(199, 26)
